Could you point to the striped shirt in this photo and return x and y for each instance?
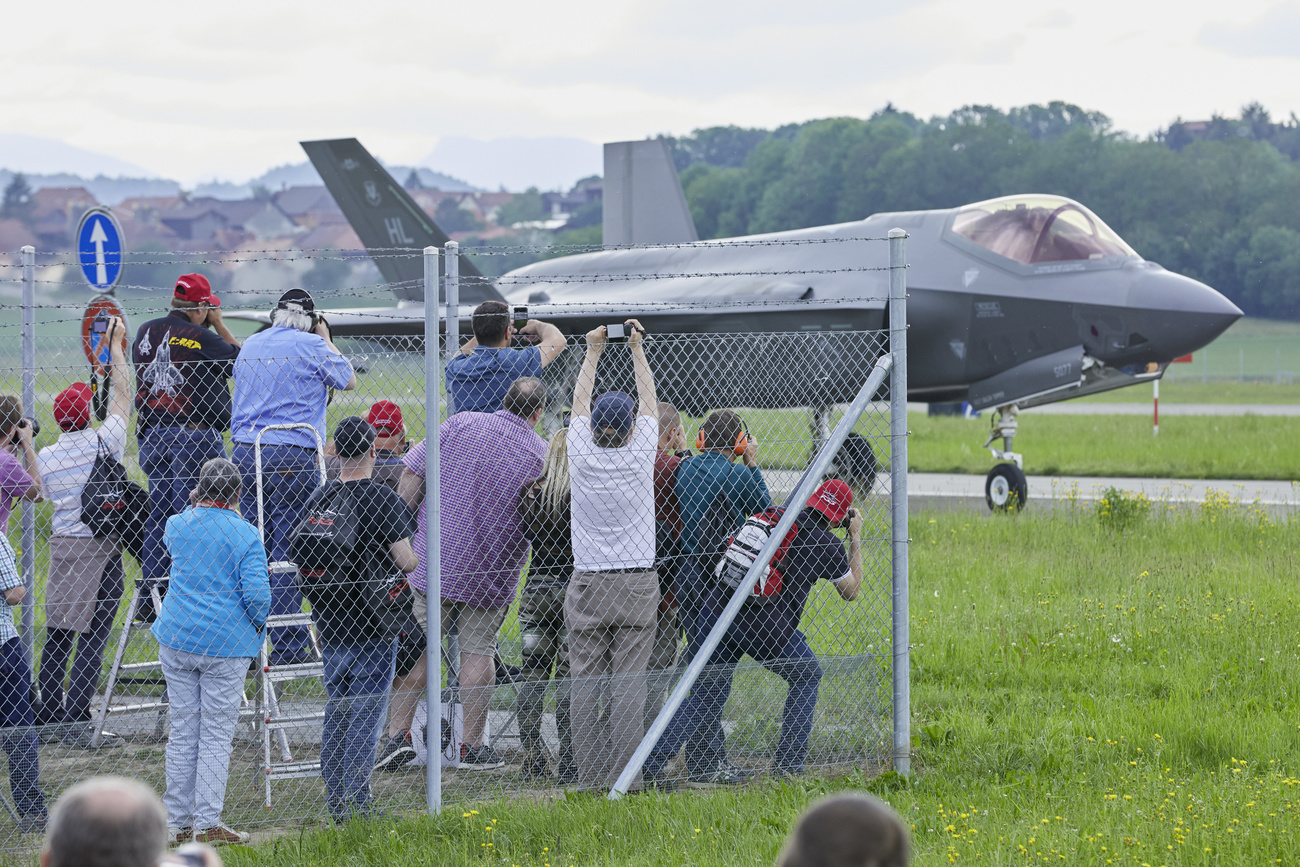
(65, 469)
(9, 579)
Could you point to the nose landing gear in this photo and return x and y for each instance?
(1005, 487)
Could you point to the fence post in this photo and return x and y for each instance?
(451, 290)
(802, 491)
(898, 498)
(432, 540)
(28, 540)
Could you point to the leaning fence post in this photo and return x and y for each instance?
(898, 498)
(28, 563)
(803, 490)
(432, 534)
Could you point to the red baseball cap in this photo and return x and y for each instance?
(197, 289)
(72, 407)
(832, 498)
(386, 418)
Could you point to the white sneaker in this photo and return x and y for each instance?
(221, 835)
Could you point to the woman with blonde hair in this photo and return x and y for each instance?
(544, 509)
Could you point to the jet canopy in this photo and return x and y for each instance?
(1038, 228)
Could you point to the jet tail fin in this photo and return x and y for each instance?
(643, 198)
(385, 216)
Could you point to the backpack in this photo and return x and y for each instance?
(112, 504)
(326, 537)
(743, 549)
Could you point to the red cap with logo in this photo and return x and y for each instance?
(386, 418)
(832, 498)
(196, 288)
(72, 407)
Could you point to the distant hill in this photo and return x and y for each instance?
(304, 175)
(38, 155)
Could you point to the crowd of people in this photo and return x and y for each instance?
(622, 527)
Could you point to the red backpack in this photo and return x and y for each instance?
(743, 549)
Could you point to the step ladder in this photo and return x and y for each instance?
(272, 719)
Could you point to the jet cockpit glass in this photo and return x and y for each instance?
(1033, 229)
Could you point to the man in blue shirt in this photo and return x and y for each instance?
(283, 376)
(479, 377)
(715, 495)
(768, 631)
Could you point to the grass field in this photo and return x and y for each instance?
(1086, 690)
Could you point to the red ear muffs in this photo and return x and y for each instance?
(699, 440)
(742, 440)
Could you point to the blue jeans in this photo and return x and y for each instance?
(289, 476)
(706, 749)
(204, 692)
(357, 680)
(19, 736)
(794, 663)
(171, 457)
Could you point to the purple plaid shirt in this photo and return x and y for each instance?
(486, 460)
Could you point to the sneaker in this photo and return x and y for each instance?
(657, 781)
(81, 735)
(482, 758)
(176, 836)
(726, 774)
(221, 835)
(397, 753)
(507, 674)
(32, 823)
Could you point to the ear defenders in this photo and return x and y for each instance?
(738, 448)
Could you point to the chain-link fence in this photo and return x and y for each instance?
(243, 639)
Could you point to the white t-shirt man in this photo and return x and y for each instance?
(613, 500)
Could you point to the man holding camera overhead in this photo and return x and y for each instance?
(283, 376)
(182, 405)
(479, 377)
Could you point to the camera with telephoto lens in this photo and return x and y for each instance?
(22, 423)
(847, 519)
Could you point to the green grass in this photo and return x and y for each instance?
(1084, 692)
(1195, 447)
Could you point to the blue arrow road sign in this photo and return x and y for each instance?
(99, 246)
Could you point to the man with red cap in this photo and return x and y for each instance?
(390, 445)
(84, 585)
(182, 404)
(767, 630)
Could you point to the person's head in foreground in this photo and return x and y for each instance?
(849, 830)
(106, 822)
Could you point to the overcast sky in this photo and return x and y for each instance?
(226, 90)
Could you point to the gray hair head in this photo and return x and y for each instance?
(219, 480)
(107, 822)
(291, 319)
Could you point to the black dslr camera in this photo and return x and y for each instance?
(22, 423)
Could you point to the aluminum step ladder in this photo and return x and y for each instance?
(271, 716)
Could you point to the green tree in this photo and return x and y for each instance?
(525, 207)
(1268, 269)
(18, 203)
(451, 217)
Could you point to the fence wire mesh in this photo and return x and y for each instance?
(578, 565)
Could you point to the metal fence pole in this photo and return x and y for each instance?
(28, 563)
(802, 491)
(432, 546)
(451, 289)
(898, 499)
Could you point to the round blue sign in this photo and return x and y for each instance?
(99, 248)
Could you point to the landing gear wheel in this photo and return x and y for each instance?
(1005, 488)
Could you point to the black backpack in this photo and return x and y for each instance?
(112, 504)
(324, 542)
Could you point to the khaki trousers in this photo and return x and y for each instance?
(610, 617)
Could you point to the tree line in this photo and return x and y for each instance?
(1218, 201)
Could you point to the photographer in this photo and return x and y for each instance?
(85, 575)
(182, 405)
(19, 478)
(283, 376)
(479, 377)
(768, 631)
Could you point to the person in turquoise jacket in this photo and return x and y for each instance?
(210, 628)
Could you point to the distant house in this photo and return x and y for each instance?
(308, 207)
(56, 211)
(14, 235)
(207, 218)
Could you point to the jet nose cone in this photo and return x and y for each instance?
(1180, 315)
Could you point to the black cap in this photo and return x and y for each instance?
(353, 437)
(297, 299)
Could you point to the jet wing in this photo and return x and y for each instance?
(387, 220)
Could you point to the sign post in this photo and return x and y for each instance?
(99, 249)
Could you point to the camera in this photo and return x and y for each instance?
(521, 318)
(848, 519)
(99, 325)
(22, 423)
(618, 331)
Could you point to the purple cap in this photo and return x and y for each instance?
(613, 410)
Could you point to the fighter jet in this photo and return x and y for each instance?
(1013, 302)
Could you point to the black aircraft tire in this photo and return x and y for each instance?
(1005, 488)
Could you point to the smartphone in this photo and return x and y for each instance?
(616, 332)
(521, 317)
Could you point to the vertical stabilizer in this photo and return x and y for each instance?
(643, 199)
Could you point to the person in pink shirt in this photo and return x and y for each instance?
(19, 479)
